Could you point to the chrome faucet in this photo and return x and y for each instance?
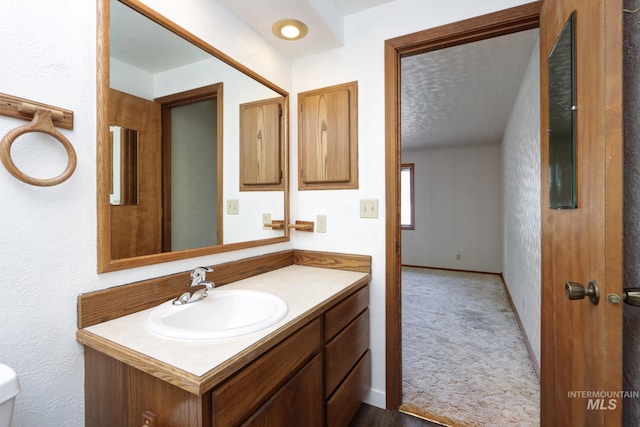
(198, 276)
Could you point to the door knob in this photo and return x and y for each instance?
(575, 290)
(631, 296)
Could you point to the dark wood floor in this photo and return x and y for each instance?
(370, 416)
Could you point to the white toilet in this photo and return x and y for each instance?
(9, 389)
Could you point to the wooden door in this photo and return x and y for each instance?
(582, 342)
(136, 229)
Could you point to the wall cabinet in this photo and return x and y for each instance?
(317, 376)
(261, 154)
(328, 138)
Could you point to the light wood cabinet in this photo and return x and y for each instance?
(328, 138)
(240, 396)
(347, 359)
(316, 376)
(297, 402)
(261, 145)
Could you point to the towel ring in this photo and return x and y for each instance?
(42, 122)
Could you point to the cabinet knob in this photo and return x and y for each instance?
(149, 419)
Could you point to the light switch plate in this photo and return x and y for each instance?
(368, 208)
(266, 219)
(233, 206)
(321, 223)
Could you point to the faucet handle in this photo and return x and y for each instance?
(198, 275)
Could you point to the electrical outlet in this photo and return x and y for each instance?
(458, 257)
(321, 223)
(266, 219)
(368, 208)
(233, 206)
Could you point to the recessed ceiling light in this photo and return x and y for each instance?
(289, 29)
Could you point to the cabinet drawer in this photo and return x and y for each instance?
(342, 353)
(339, 316)
(239, 397)
(345, 402)
(298, 403)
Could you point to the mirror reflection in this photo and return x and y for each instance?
(562, 110)
(175, 158)
(124, 178)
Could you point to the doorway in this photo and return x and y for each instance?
(191, 165)
(504, 22)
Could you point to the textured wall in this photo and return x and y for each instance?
(631, 329)
(521, 164)
(458, 208)
(48, 234)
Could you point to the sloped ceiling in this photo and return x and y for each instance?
(463, 95)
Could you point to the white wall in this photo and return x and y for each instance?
(521, 164)
(458, 208)
(238, 88)
(362, 59)
(48, 235)
(194, 174)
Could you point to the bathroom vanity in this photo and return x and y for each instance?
(312, 368)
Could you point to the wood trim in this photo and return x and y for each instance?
(204, 93)
(336, 261)
(450, 269)
(507, 21)
(104, 167)
(100, 306)
(614, 205)
(393, 232)
(200, 385)
(111, 303)
(499, 23)
(527, 343)
(103, 160)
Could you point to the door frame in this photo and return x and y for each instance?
(512, 20)
(205, 93)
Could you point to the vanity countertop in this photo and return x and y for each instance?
(197, 366)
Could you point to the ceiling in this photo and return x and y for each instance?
(456, 96)
(463, 95)
(325, 19)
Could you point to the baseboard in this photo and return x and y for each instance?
(376, 398)
(527, 343)
(457, 270)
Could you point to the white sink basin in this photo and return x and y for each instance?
(223, 314)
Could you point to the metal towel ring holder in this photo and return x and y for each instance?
(42, 122)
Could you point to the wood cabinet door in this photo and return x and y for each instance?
(328, 138)
(261, 145)
(299, 401)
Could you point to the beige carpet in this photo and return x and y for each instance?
(464, 359)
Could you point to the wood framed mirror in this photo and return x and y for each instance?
(163, 194)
